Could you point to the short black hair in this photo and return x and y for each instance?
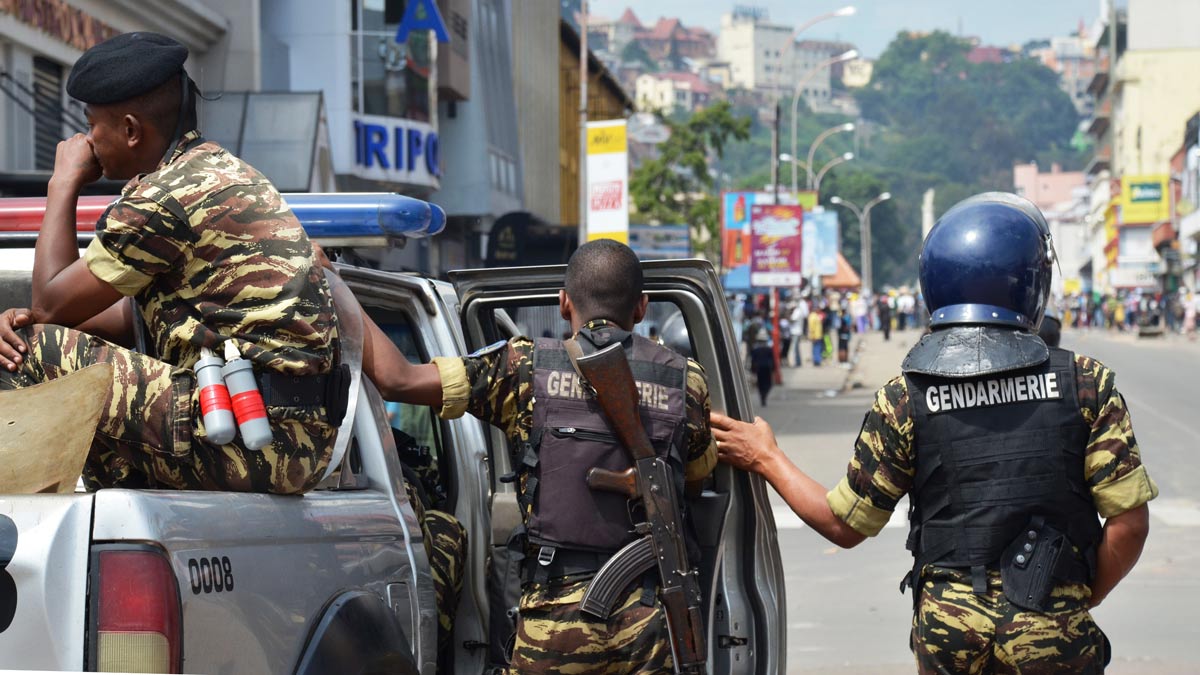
(160, 107)
(604, 280)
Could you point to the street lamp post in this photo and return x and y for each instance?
(864, 239)
(816, 184)
(848, 10)
(812, 149)
(845, 56)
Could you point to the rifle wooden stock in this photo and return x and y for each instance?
(621, 482)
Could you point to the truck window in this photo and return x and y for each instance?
(664, 322)
(418, 422)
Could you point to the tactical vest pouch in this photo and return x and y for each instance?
(1030, 562)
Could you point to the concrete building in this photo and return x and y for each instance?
(1073, 58)
(807, 55)
(1062, 197)
(672, 91)
(1144, 54)
(536, 43)
(1187, 168)
(670, 41)
(759, 53)
(1046, 189)
(41, 39)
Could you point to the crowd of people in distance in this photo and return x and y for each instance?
(1132, 310)
(821, 323)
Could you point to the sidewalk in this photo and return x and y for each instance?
(873, 361)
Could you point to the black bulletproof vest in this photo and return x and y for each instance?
(570, 435)
(992, 453)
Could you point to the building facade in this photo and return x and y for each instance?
(1143, 53)
(759, 53)
(669, 92)
(40, 40)
(1073, 58)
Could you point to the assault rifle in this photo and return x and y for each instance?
(651, 481)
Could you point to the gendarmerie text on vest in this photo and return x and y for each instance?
(567, 385)
(995, 391)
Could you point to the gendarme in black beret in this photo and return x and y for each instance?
(125, 66)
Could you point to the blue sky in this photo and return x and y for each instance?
(997, 22)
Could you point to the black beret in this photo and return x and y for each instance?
(125, 66)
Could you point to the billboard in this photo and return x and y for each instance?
(607, 181)
(660, 242)
(1145, 199)
(735, 223)
(821, 235)
(775, 244)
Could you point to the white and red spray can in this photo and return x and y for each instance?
(215, 404)
(248, 405)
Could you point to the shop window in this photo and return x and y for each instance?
(277, 133)
(390, 78)
(47, 111)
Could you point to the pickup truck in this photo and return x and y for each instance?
(337, 580)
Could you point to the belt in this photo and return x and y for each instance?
(551, 563)
(329, 391)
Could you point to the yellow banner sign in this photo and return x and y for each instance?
(1145, 199)
(605, 139)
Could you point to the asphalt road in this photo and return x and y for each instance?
(845, 613)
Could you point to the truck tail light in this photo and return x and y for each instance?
(137, 613)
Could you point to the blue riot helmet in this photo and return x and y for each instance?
(988, 261)
(985, 276)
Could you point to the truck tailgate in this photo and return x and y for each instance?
(50, 572)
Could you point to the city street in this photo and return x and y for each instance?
(845, 614)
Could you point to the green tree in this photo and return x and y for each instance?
(676, 186)
(931, 119)
(633, 52)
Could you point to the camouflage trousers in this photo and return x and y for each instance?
(151, 435)
(446, 548)
(553, 636)
(956, 631)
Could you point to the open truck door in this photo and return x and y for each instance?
(741, 572)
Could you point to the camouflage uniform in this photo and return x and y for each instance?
(552, 636)
(211, 252)
(445, 537)
(954, 629)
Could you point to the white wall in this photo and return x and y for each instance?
(316, 35)
(1163, 24)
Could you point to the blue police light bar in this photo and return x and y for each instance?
(363, 215)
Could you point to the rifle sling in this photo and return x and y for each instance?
(575, 352)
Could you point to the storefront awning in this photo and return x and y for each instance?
(845, 277)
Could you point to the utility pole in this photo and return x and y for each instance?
(583, 118)
(775, 153)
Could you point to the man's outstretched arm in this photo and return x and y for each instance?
(1119, 550)
(752, 447)
(389, 370)
(396, 378)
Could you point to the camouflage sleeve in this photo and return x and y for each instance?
(882, 468)
(701, 452)
(140, 240)
(1112, 463)
(494, 384)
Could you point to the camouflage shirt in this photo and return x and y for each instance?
(497, 387)
(211, 251)
(883, 466)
